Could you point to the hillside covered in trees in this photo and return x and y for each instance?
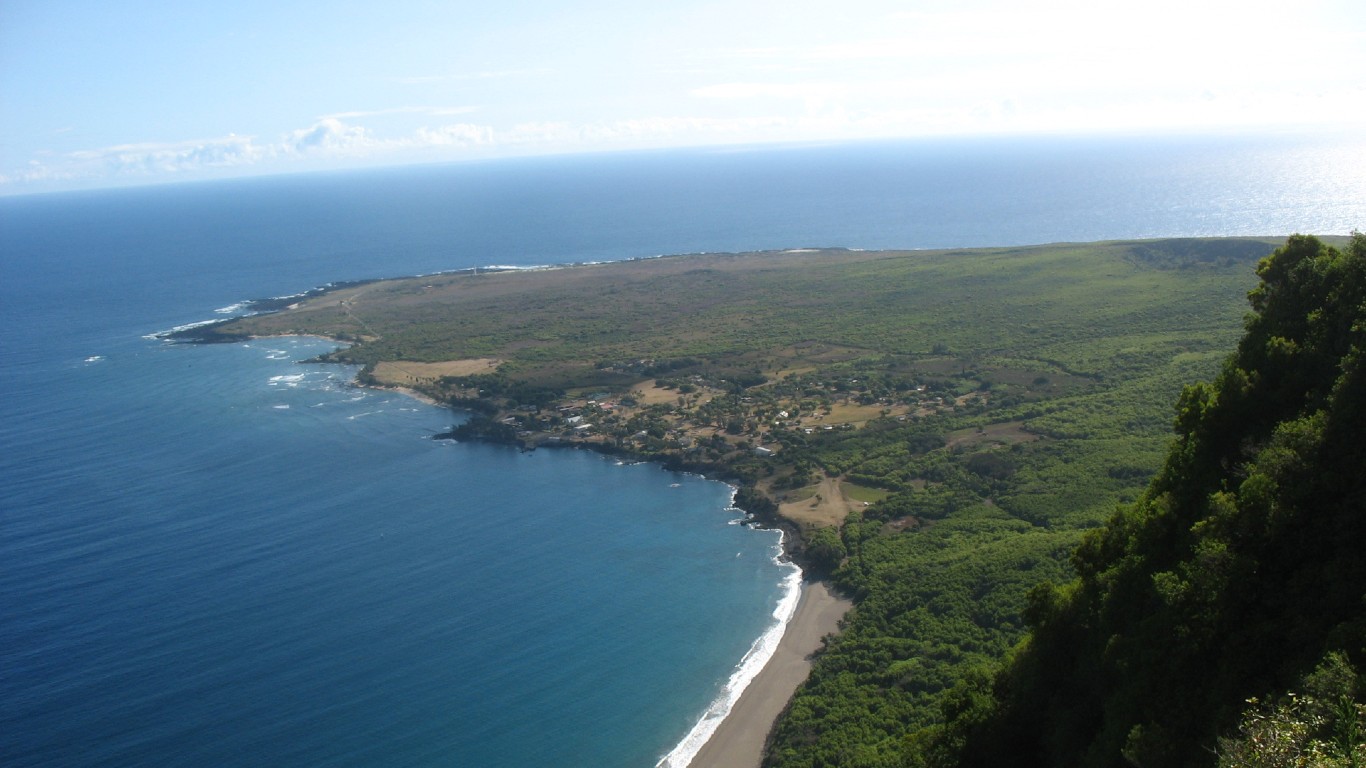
(1214, 621)
(1240, 572)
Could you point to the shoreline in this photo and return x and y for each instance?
(405, 391)
(739, 739)
(734, 729)
(736, 736)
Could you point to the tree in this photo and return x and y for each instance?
(1240, 566)
(824, 551)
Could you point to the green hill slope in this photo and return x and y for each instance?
(1241, 569)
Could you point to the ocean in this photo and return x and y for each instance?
(220, 555)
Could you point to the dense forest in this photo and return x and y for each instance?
(1216, 620)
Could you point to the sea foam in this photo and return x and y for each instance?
(166, 334)
(759, 654)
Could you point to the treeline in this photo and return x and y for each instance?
(1238, 573)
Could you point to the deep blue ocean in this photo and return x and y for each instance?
(216, 555)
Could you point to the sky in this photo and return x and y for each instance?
(99, 94)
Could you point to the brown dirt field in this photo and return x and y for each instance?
(402, 373)
(650, 393)
(829, 510)
(1008, 433)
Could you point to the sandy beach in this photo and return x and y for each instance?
(739, 740)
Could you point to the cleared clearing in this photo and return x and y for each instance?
(825, 507)
(402, 373)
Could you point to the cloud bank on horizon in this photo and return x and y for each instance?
(137, 92)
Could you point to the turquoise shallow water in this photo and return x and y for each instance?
(219, 556)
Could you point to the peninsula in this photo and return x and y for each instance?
(936, 429)
(754, 366)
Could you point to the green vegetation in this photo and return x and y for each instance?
(949, 432)
(862, 366)
(1322, 724)
(1238, 572)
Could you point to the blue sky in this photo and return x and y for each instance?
(105, 94)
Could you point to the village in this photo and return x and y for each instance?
(704, 419)
(698, 416)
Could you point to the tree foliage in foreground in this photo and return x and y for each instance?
(1234, 575)
(1319, 725)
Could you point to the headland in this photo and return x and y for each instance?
(913, 419)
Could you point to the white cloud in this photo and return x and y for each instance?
(454, 135)
(228, 150)
(330, 135)
(1044, 93)
(329, 140)
(541, 133)
(142, 160)
(172, 157)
